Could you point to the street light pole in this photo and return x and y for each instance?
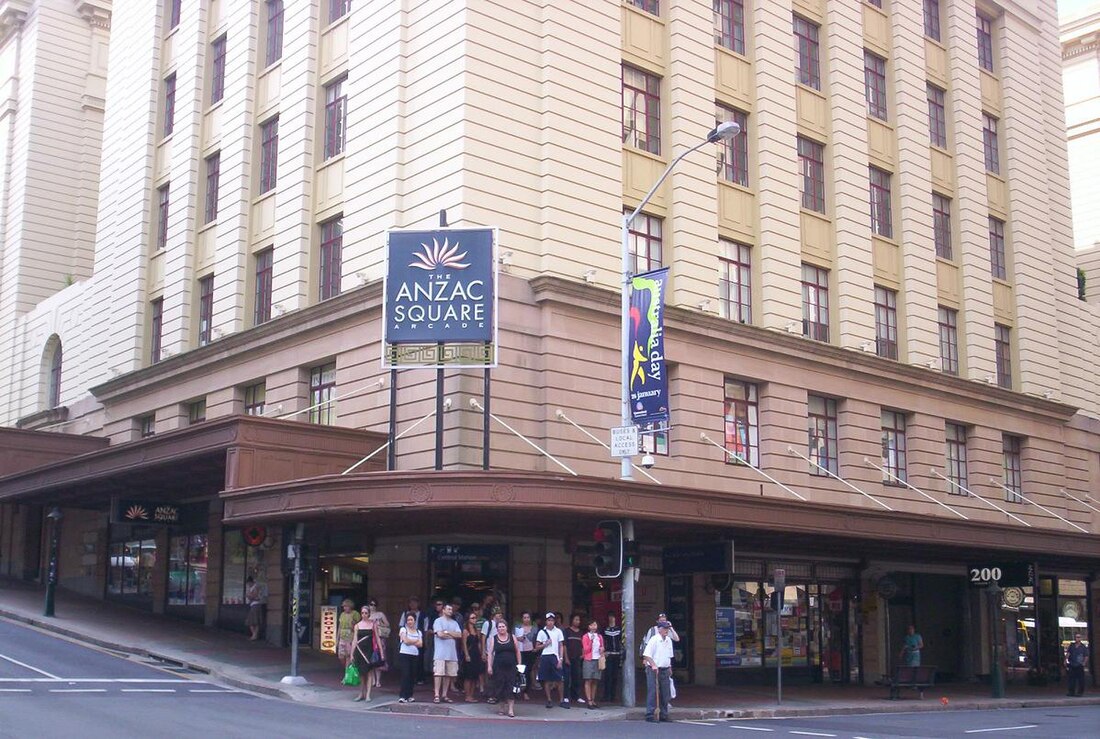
(54, 516)
(722, 132)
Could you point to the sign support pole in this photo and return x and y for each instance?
(487, 395)
(439, 384)
(629, 645)
(296, 595)
(391, 450)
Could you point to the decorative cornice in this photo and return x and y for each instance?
(13, 14)
(43, 418)
(96, 12)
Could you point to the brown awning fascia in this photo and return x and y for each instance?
(23, 450)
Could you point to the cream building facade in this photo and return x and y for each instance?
(883, 261)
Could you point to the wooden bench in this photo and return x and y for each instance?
(917, 678)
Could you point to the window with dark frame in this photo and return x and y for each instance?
(733, 154)
(875, 3)
(217, 69)
(332, 247)
(53, 386)
(893, 448)
(261, 312)
(269, 154)
(653, 7)
(955, 458)
(822, 427)
(188, 560)
(213, 180)
(206, 309)
(641, 109)
(196, 412)
(273, 51)
(175, 10)
(815, 302)
(882, 218)
(998, 257)
(147, 426)
(645, 242)
(874, 85)
(948, 319)
(985, 42)
(937, 116)
(729, 24)
(808, 53)
(886, 322)
(1002, 344)
(735, 285)
(337, 9)
(1012, 467)
(811, 162)
(255, 399)
(162, 216)
(322, 393)
(932, 19)
(742, 422)
(169, 104)
(336, 117)
(990, 144)
(156, 324)
(941, 226)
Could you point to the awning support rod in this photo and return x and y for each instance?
(751, 466)
(1074, 497)
(915, 489)
(536, 447)
(989, 503)
(830, 473)
(446, 406)
(1046, 510)
(561, 414)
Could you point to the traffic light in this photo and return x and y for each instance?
(630, 553)
(609, 549)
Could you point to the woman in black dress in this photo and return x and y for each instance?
(503, 658)
(364, 643)
(473, 662)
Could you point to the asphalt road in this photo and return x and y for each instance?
(52, 687)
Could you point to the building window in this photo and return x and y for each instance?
(274, 47)
(932, 19)
(322, 394)
(998, 259)
(337, 9)
(742, 426)
(1002, 344)
(815, 302)
(1012, 464)
(269, 154)
(196, 412)
(332, 247)
(641, 110)
(156, 326)
(811, 161)
(213, 178)
(130, 568)
(217, 77)
(175, 9)
(808, 60)
(729, 24)
(261, 312)
(937, 116)
(187, 560)
(653, 438)
(645, 242)
(733, 154)
(985, 43)
(239, 560)
(941, 225)
(206, 309)
(147, 426)
(886, 322)
(882, 220)
(162, 217)
(990, 144)
(949, 340)
(874, 84)
(169, 104)
(821, 414)
(255, 398)
(876, 3)
(652, 7)
(956, 458)
(336, 117)
(53, 386)
(893, 447)
(735, 287)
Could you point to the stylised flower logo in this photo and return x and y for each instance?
(137, 513)
(437, 255)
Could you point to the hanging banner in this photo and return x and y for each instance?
(440, 298)
(648, 378)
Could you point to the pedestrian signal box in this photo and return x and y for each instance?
(608, 557)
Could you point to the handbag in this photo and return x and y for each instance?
(351, 675)
(376, 659)
(383, 631)
(602, 663)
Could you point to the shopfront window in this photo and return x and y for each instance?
(130, 567)
(238, 562)
(187, 559)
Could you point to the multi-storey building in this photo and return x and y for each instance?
(881, 375)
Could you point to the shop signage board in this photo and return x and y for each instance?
(1002, 574)
(467, 552)
(685, 560)
(328, 629)
(648, 374)
(129, 510)
(726, 652)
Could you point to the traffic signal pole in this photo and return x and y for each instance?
(630, 647)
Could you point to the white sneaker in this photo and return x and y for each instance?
(580, 700)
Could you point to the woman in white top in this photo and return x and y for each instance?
(411, 642)
(525, 638)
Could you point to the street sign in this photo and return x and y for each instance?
(624, 441)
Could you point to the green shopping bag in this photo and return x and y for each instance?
(351, 675)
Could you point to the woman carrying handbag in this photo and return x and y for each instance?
(368, 653)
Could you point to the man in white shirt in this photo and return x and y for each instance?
(551, 643)
(445, 665)
(657, 657)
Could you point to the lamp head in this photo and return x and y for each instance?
(54, 514)
(724, 131)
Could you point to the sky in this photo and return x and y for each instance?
(1071, 8)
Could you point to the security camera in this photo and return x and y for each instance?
(648, 461)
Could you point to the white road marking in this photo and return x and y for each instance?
(147, 690)
(78, 690)
(750, 728)
(15, 690)
(697, 723)
(1002, 728)
(811, 733)
(26, 666)
(211, 690)
(53, 679)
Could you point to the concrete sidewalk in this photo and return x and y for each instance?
(258, 667)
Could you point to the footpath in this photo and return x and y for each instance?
(258, 667)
